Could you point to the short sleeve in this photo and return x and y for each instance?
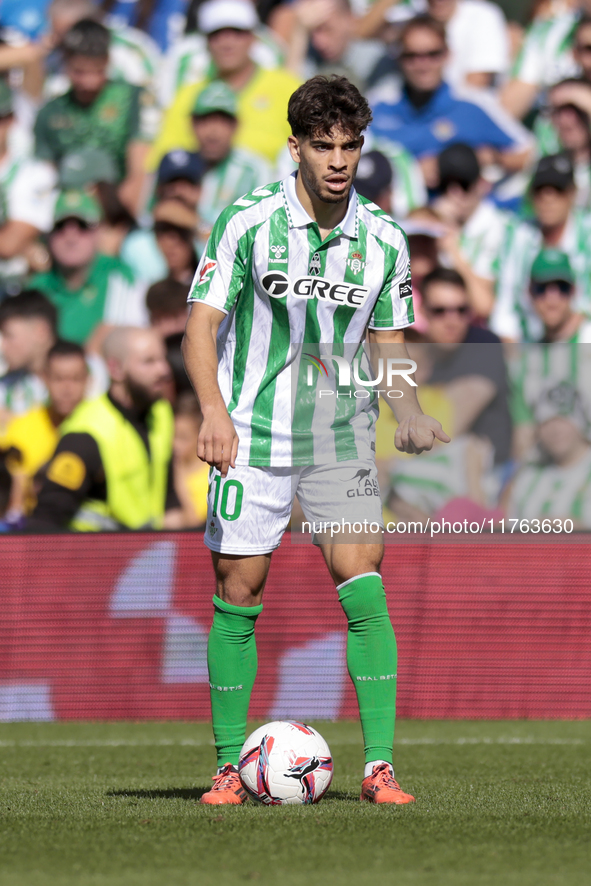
(219, 277)
(394, 308)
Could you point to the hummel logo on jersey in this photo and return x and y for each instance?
(210, 265)
(277, 284)
(315, 264)
(278, 252)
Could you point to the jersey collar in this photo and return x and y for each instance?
(298, 217)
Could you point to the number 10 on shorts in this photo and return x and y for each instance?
(230, 503)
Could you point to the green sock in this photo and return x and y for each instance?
(232, 664)
(372, 660)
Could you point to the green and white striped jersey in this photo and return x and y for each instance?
(240, 172)
(281, 285)
(551, 491)
(539, 367)
(546, 55)
(441, 475)
(513, 316)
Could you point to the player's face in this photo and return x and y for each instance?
(215, 133)
(422, 59)
(145, 368)
(328, 163)
(447, 312)
(66, 380)
(87, 76)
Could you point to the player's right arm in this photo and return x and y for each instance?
(218, 441)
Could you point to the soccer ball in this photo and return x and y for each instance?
(285, 763)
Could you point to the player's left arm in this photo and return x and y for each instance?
(416, 432)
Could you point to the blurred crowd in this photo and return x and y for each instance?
(126, 126)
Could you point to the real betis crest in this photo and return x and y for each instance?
(355, 262)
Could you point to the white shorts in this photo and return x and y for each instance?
(249, 510)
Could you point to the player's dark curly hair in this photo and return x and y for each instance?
(324, 103)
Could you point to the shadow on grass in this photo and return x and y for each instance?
(195, 794)
(162, 794)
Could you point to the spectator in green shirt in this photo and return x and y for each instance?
(92, 292)
(97, 112)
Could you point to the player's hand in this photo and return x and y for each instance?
(417, 433)
(217, 443)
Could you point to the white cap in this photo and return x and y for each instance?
(217, 14)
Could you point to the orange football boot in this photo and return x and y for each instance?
(227, 788)
(382, 787)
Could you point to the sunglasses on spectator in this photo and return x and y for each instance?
(433, 54)
(440, 310)
(566, 289)
(79, 222)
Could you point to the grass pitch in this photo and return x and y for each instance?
(116, 804)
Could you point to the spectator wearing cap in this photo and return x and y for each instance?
(26, 203)
(230, 172)
(475, 227)
(557, 224)
(556, 483)
(557, 358)
(262, 94)
(91, 291)
(552, 291)
(97, 113)
(175, 229)
(93, 170)
(374, 180)
(322, 40)
(425, 114)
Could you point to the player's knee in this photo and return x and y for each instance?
(347, 561)
(364, 598)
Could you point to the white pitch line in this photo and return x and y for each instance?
(189, 742)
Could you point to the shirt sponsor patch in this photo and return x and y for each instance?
(67, 469)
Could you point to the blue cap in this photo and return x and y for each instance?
(181, 164)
